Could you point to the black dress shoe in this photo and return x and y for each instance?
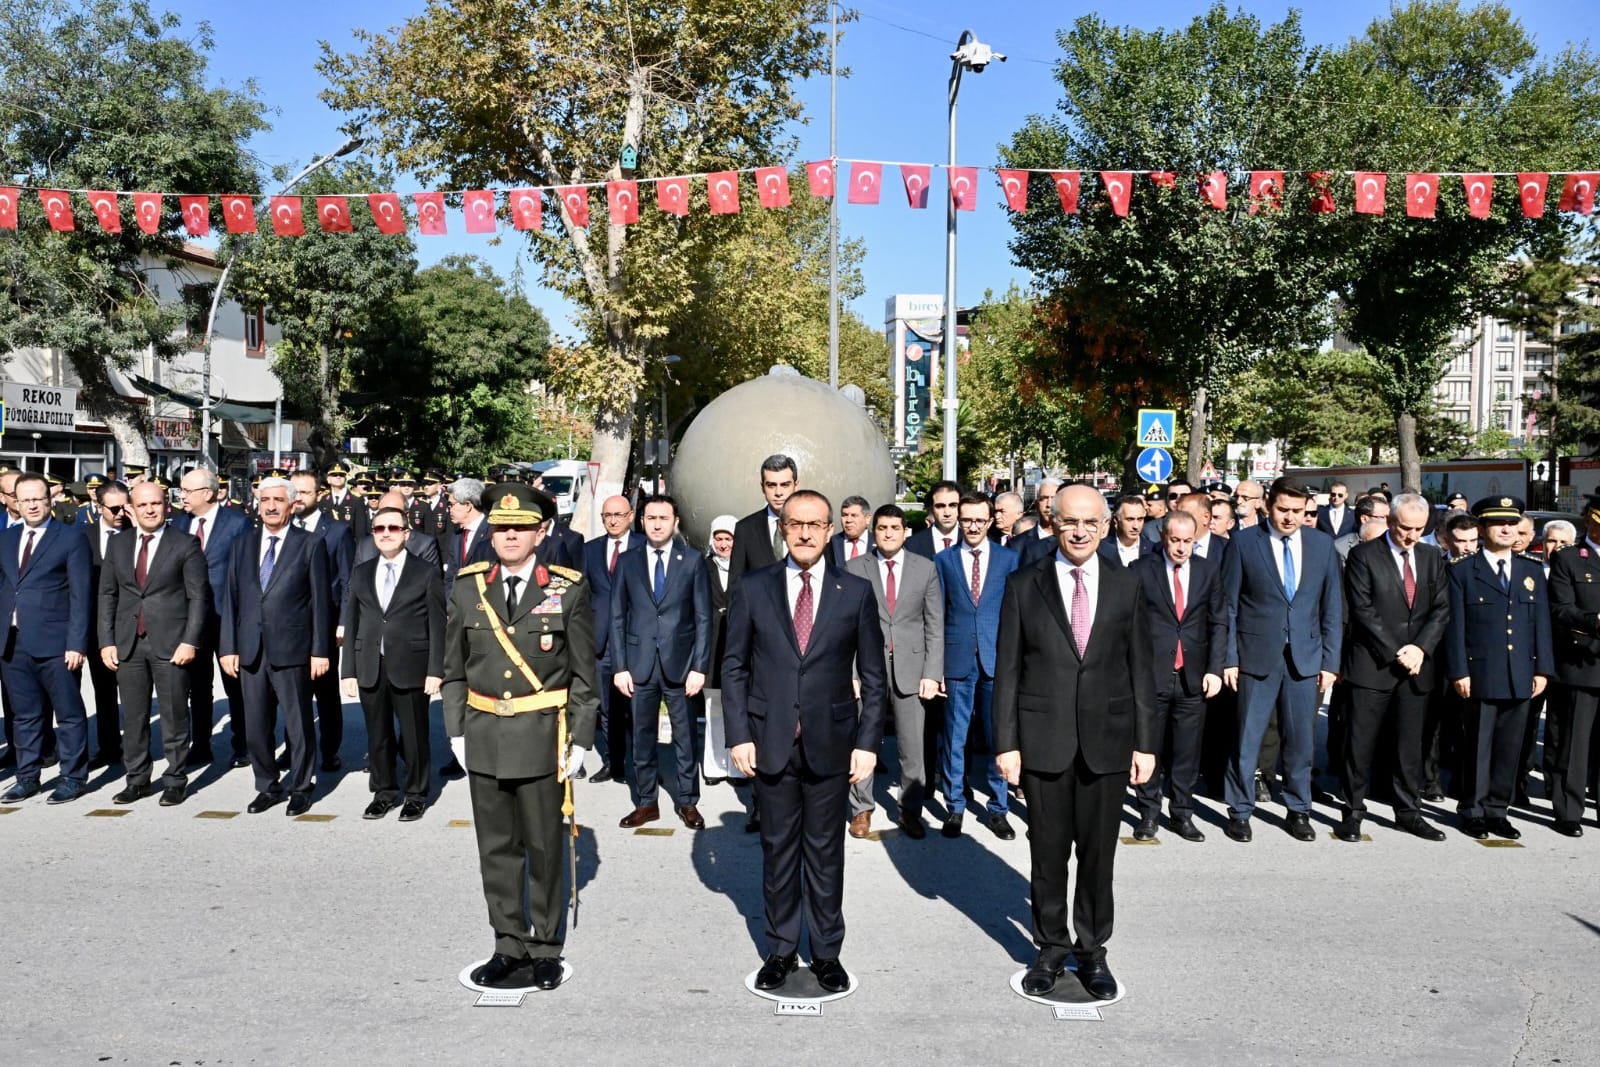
(1041, 976)
(173, 795)
(776, 970)
(504, 972)
(1349, 829)
(752, 825)
(239, 762)
(1098, 980)
(1000, 826)
(1568, 827)
(1420, 827)
(262, 802)
(1184, 827)
(580, 774)
(1299, 827)
(1146, 830)
(412, 810)
(831, 975)
(332, 765)
(546, 972)
(714, 780)
(19, 792)
(131, 793)
(283, 760)
(453, 769)
(66, 791)
(1502, 827)
(602, 775)
(377, 809)
(951, 827)
(913, 826)
(1433, 794)
(1476, 829)
(299, 804)
(1238, 829)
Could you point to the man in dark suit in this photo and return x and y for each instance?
(943, 530)
(757, 539)
(1126, 544)
(855, 539)
(393, 623)
(340, 547)
(277, 636)
(562, 546)
(1574, 587)
(1285, 623)
(1074, 711)
(155, 599)
(1496, 687)
(467, 540)
(1338, 518)
(215, 528)
(1397, 604)
(1207, 545)
(661, 649)
(793, 719)
(973, 578)
(111, 518)
(1188, 631)
(44, 599)
(425, 549)
(601, 555)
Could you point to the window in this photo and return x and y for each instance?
(1502, 359)
(197, 312)
(255, 332)
(1502, 332)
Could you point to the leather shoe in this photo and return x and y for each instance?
(299, 804)
(377, 809)
(861, 824)
(1568, 827)
(776, 970)
(1000, 826)
(332, 765)
(715, 779)
(1040, 978)
(602, 775)
(580, 774)
(239, 763)
(1475, 829)
(1097, 980)
(546, 972)
(639, 816)
(1349, 829)
(1146, 830)
(453, 769)
(1433, 795)
(913, 826)
(504, 972)
(1420, 827)
(831, 975)
(173, 795)
(951, 827)
(66, 791)
(131, 793)
(752, 825)
(19, 792)
(1184, 827)
(1299, 827)
(691, 816)
(1502, 827)
(1238, 830)
(412, 810)
(262, 802)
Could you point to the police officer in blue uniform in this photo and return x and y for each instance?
(1498, 655)
(1569, 725)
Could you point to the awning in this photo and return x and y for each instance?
(248, 411)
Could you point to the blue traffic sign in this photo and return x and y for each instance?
(1154, 464)
(1157, 427)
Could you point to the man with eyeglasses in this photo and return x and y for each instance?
(943, 531)
(1337, 519)
(601, 555)
(467, 538)
(1249, 503)
(216, 528)
(113, 519)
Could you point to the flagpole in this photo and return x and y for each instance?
(833, 201)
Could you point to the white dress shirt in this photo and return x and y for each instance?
(1335, 517)
(1091, 583)
(136, 533)
(862, 545)
(266, 534)
(617, 546)
(1202, 546)
(1183, 571)
(22, 542)
(1294, 550)
(984, 555)
(792, 575)
(651, 554)
(939, 535)
(106, 534)
(1128, 554)
(1399, 559)
(898, 559)
(307, 521)
(399, 565)
(772, 532)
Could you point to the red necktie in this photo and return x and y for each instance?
(855, 549)
(888, 588)
(1410, 579)
(27, 553)
(465, 536)
(1177, 609)
(200, 533)
(977, 578)
(947, 541)
(616, 547)
(802, 613)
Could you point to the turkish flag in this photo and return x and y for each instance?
(147, 209)
(772, 186)
(430, 213)
(1015, 185)
(1164, 178)
(57, 208)
(1480, 192)
(1266, 190)
(1532, 189)
(527, 209)
(1214, 189)
(722, 187)
(1422, 193)
(239, 214)
(622, 202)
(387, 214)
(866, 182)
(575, 202)
(196, 212)
(1321, 191)
(286, 220)
(1370, 187)
(1119, 184)
(1578, 194)
(820, 177)
(915, 178)
(1066, 183)
(8, 209)
(672, 196)
(333, 214)
(964, 188)
(478, 207)
(106, 210)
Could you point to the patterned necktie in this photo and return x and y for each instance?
(1080, 612)
(200, 533)
(977, 576)
(1410, 580)
(616, 549)
(888, 585)
(660, 586)
(1288, 571)
(802, 612)
(27, 553)
(511, 595)
(269, 561)
(1177, 609)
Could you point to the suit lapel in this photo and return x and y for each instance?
(286, 541)
(1267, 550)
(1050, 589)
(778, 587)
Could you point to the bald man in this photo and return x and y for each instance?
(600, 557)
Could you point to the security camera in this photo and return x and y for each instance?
(975, 55)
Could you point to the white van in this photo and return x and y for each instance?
(563, 479)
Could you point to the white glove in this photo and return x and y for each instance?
(458, 749)
(574, 762)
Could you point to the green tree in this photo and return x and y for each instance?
(106, 95)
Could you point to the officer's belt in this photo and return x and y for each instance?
(504, 707)
(506, 644)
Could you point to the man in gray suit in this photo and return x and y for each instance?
(911, 610)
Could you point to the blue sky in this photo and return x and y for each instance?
(892, 107)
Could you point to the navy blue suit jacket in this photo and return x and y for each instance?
(340, 545)
(1203, 628)
(1347, 522)
(596, 568)
(480, 549)
(675, 633)
(1498, 639)
(923, 544)
(223, 527)
(51, 601)
(971, 630)
(291, 620)
(1108, 550)
(1261, 622)
(1035, 548)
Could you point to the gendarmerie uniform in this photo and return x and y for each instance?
(508, 674)
(1569, 726)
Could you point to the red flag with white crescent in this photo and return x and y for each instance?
(1321, 192)
(866, 182)
(1531, 189)
(196, 212)
(1480, 193)
(575, 203)
(622, 202)
(1370, 188)
(819, 176)
(147, 210)
(477, 206)
(1214, 189)
(387, 213)
(286, 220)
(1266, 190)
(1578, 193)
(722, 188)
(1164, 178)
(106, 210)
(772, 186)
(1119, 185)
(1014, 183)
(333, 214)
(964, 188)
(672, 196)
(1422, 194)
(527, 208)
(57, 204)
(915, 177)
(8, 209)
(430, 214)
(239, 214)
(1067, 183)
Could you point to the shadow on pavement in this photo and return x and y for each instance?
(728, 861)
(988, 890)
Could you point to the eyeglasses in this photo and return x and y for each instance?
(388, 528)
(33, 500)
(614, 514)
(1174, 496)
(807, 527)
(114, 509)
(200, 489)
(1076, 524)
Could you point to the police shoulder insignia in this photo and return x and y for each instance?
(1462, 559)
(567, 572)
(472, 568)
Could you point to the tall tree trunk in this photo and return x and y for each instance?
(129, 433)
(1130, 473)
(1410, 461)
(1197, 436)
(613, 435)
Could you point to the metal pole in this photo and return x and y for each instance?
(277, 430)
(833, 201)
(950, 283)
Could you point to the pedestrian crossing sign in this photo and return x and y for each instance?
(1156, 427)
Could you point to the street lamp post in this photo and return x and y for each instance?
(970, 54)
(345, 149)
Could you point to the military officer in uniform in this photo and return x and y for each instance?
(519, 684)
(341, 504)
(1569, 724)
(1495, 596)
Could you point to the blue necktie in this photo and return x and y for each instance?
(661, 578)
(1288, 571)
(269, 560)
(1505, 578)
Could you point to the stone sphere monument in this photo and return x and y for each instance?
(838, 448)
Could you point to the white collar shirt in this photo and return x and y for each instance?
(792, 573)
(1091, 582)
